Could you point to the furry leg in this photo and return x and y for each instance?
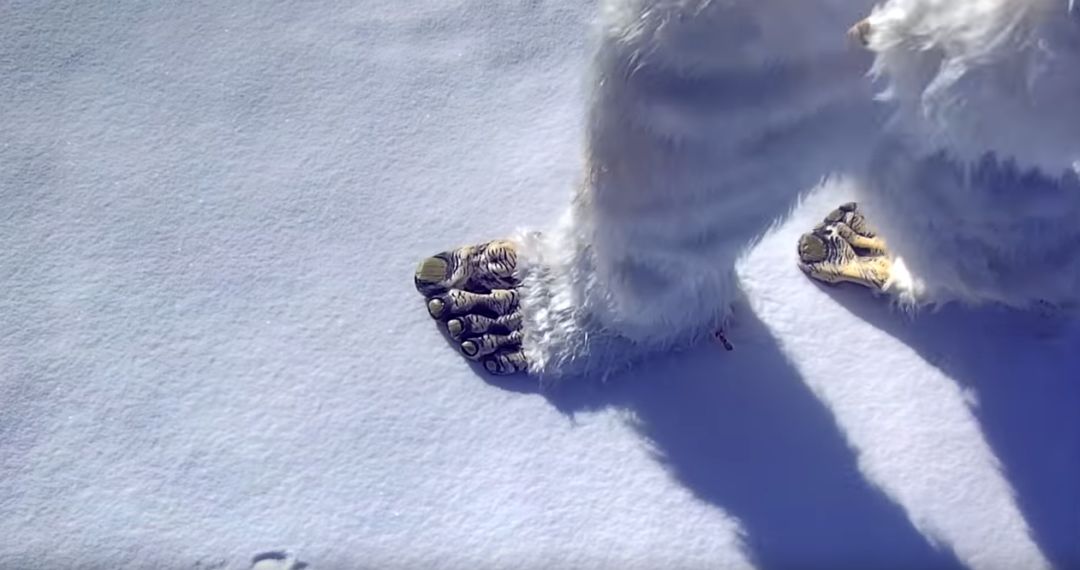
(975, 180)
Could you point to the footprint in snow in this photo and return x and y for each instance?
(277, 560)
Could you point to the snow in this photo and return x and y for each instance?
(211, 348)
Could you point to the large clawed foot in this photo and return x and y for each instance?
(844, 248)
(473, 291)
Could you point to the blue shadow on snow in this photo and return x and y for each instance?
(1024, 370)
(743, 432)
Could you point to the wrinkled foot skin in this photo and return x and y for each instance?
(844, 248)
(473, 291)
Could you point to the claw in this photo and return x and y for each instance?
(431, 274)
(860, 32)
(484, 345)
(506, 363)
(435, 308)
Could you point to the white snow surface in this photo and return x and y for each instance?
(210, 347)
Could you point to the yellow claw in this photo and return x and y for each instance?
(436, 307)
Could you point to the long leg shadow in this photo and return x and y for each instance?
(1024, 371)
(743, 432)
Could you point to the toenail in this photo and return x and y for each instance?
(469, 348)
(436, 307)
(432, 270)
(492, 366)
(455, 327)
(812, 248)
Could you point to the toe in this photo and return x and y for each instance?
(850, 215)
(856, 221)
(497, 303)
(457, 328)
(812, 248)
(471, 325)
(494, 266)
(432, 274)
(453, 302)
(836, 215)
(457, 302)
(506, 363)
(869, 244)
(444, 271)
(483, 345)
(477, 268)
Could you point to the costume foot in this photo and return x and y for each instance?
(473, 291)
(845, 248)
(860, 32)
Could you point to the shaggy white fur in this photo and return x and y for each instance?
(708, 117)
(706, 120)
(988, 76)
(974, 182)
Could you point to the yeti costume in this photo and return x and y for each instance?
(974, 182)
(706, 120)
(679, 182)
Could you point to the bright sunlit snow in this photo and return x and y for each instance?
(212, 354)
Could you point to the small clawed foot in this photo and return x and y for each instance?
(473, 290)
(845, 249)
(860, 32)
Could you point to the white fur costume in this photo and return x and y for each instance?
(974, 182)
(707, 118)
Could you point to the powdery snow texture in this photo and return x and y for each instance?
(211, 348)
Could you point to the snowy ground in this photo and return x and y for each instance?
(210, 347)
